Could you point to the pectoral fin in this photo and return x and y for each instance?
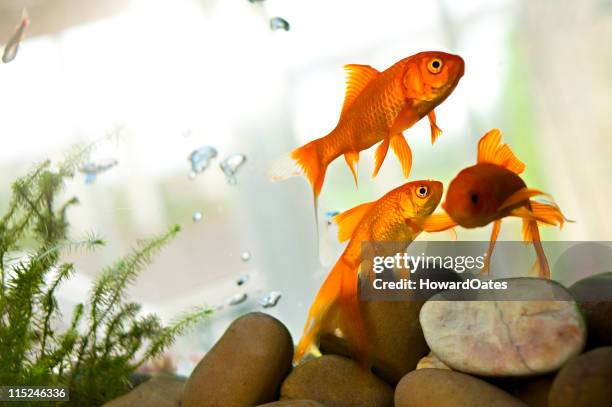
(437, 222)
(352, 158)
(435, 130)
(519, 196)
(379, 156)
(402, 151)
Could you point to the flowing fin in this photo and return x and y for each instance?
(303, 160)
(435, 130)
(381, 153)
(531, 233)
(548, 213)
(519, 196)
(402, 151)
(348, 220)
(340, 287)
(352, 158)
(492, 241)
(357, 78)
(437, 222)
(351, 320)
(492, 150)
(541, 212)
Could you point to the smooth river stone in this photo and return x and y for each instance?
(159, 391)
(336, 381)
(585, 381)
(245, 367)
(594, 294)
(445, 388)
(506, 338)
(293, 403)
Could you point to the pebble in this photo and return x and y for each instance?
(585, 381)
(506, 338)
(445, 388)
(160, 391)
(336, 381)
(293, 403)
(594, 294)
(245, 367)
(534, 391)
(431, 361)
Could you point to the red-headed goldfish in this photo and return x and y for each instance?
(393, 218)
(492, 190)
(12, 46)
(378, 106)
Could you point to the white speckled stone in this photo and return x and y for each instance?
(506, 338)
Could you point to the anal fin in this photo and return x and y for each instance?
(379, 156)
(352, 158)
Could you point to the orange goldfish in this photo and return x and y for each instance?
(11, 48)
(492, 190)
(393, 218)
(378, 106)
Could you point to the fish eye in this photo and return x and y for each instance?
(474, 198)
(422, 191)
(435, 65)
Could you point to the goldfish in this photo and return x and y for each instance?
(12, 46)
(492, 190)
(378, 107)
(395, 218)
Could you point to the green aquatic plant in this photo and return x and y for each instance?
(107, 338)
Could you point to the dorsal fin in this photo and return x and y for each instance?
(357, 77)
(347, 221)
(492, 150)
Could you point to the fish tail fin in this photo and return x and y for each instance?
(304, 160)
(319, 311)
(341, 288)
(351, 319)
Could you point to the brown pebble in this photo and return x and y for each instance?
(245, 367)
(593, 296)
(396, 339)
(293, 403)
(336, 381)
(445, 388)
(160, 391)
(534, 391)
(584, 381)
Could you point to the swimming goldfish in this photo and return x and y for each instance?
(12, 46)
(393, 218)
(492, 190)
(378, 107)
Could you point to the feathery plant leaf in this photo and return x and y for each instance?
(108, 338)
